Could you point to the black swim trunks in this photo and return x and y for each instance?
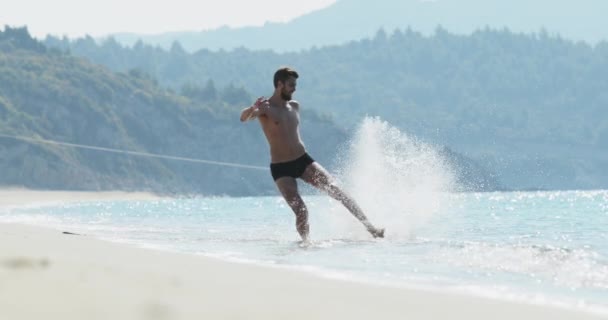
(294, 168)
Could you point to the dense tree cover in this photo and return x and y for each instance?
(49, 94)
(533, 108)
(52, 95)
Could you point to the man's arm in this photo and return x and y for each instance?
(247, 113)
(256, 110)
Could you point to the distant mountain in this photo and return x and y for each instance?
(348, 20)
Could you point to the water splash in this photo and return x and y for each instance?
(398, 181)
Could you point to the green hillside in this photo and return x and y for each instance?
(531, 108)
(50, 94)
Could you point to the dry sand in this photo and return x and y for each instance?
(45, 274)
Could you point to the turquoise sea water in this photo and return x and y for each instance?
(536, 247)
(540, 247)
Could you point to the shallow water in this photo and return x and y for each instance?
(542, 247)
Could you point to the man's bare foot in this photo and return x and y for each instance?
(377, 233)
(304, 243)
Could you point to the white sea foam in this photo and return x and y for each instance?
(572, 269)
(398, 181)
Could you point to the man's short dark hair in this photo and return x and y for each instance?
(283, 74)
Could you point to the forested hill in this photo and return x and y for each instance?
(49, 94)
(348, 20)
(532, 108)
(52, 95)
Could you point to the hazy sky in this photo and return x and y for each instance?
(99, 17)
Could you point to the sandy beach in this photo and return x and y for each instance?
(22, 197)
(46, 274)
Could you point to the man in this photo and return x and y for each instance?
(279, 117)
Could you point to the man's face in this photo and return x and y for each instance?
(288, 88)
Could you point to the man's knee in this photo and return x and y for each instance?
(295, 202)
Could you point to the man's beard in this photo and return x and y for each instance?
(285, 96)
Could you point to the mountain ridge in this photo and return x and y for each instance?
(348, 20)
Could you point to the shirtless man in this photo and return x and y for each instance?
(279, 117)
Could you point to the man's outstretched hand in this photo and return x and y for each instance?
(258, 102)
(248, 113)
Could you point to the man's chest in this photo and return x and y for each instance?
(287, 117)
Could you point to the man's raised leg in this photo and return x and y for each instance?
(317, 176)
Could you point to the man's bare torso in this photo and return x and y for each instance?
(281, 127)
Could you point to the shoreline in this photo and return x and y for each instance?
(47, 274)
(20, 197)
(533, 300)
